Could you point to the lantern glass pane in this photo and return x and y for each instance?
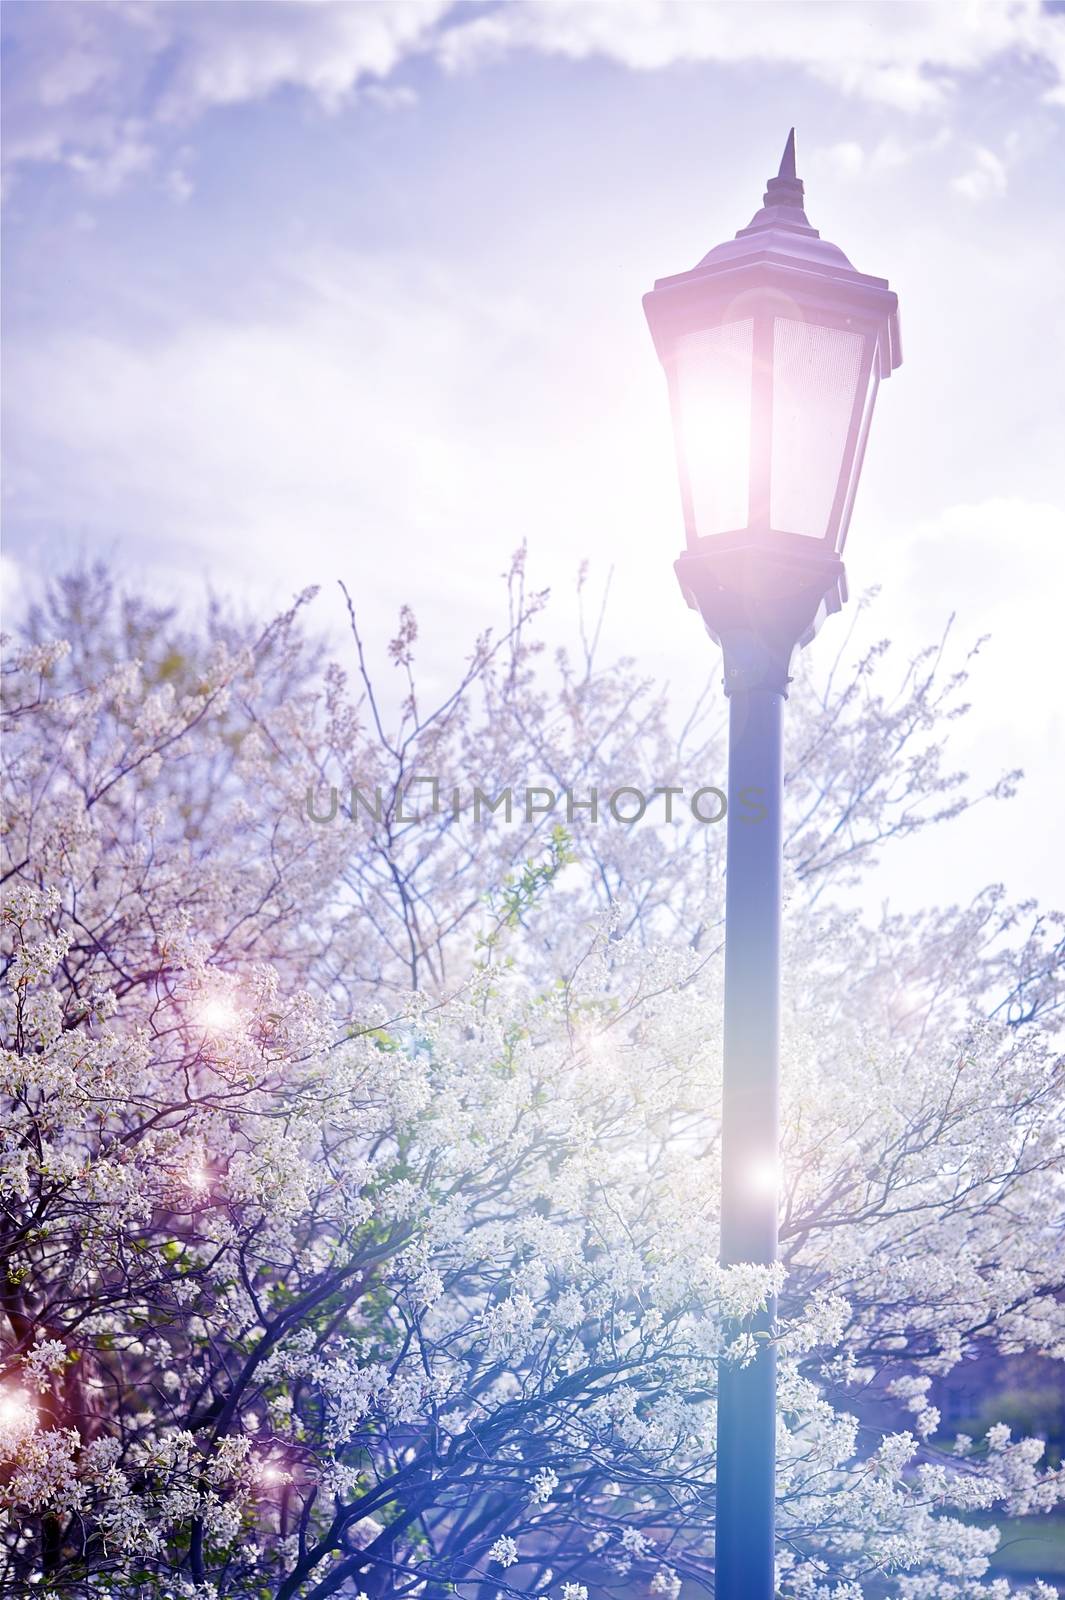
(714, 405)
(815, 381)
(859, 455)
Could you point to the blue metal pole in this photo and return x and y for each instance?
(746, 1422)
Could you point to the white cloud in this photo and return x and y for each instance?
(904, 55)
(998, 565)
(230, 54)
(849, 159)
(106, 170)
(369, 404)
(377, 417)
(179, 186)
(1000, 559)
(80, 71)
(76, 71)
(843, 160)
(986, 179)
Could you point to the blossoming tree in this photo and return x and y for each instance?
(359, 1179)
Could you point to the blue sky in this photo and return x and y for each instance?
(304, 290)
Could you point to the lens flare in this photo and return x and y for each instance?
(218, 1014)
(271, 1474)
(17, 1412)
(762, 1177)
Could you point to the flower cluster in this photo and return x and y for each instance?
(360, 1195)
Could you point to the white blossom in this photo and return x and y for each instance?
(504, 1550)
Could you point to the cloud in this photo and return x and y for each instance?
(106, 170)
(232, 53)
(178, 184)
(849, 159)
(1001, 559)
(84, 80)
(360, 413)
(94, 83)
(843, 160)
(906, 56)
(985, 180)
(997, 565)
(365, 404)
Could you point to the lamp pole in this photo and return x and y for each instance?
(774, 346)
(760, 609)
(746, 1417)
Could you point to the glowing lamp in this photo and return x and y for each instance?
(773, 347)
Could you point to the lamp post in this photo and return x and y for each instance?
(773, 347)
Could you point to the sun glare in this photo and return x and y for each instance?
(218, 1014)
(762, 1177)
(16, 1409)
(270, 1474)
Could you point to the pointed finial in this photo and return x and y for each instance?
(782, 203)
(787, 160)
(785, 189)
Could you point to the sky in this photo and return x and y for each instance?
(299, 291)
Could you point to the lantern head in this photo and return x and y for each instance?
(773, 347)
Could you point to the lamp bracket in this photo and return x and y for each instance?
(760, 604)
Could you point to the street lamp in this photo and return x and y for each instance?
(774, 347)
